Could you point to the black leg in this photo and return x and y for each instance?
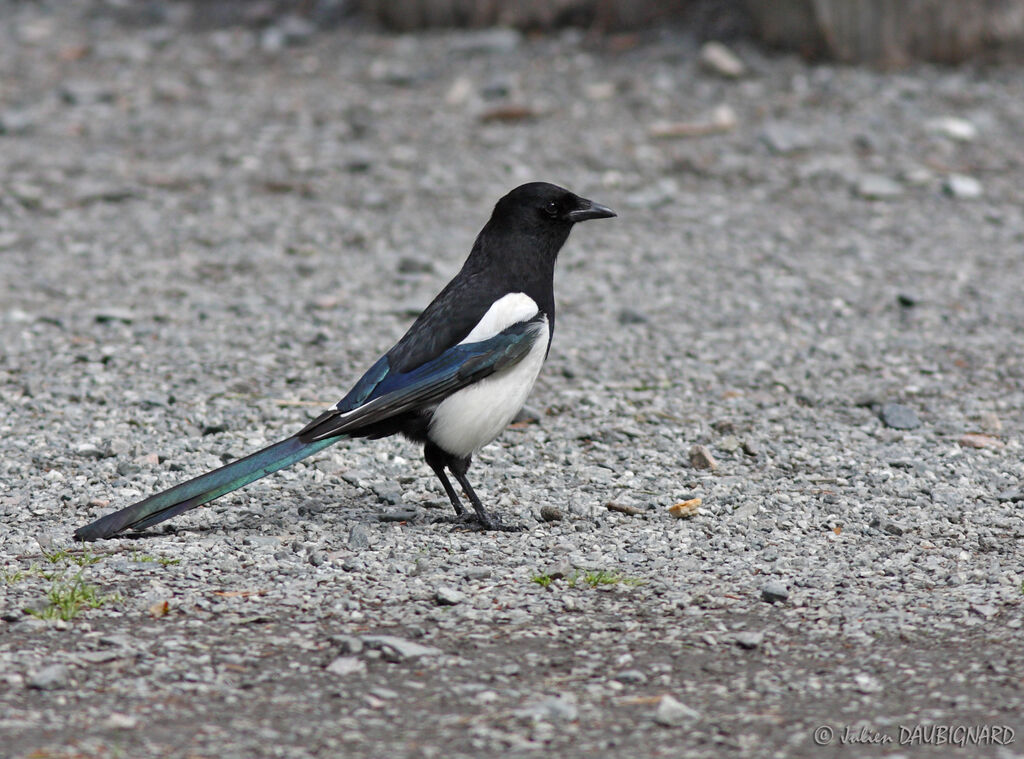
(459, 468)
(436, 460)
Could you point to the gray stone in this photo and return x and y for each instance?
(358, 537)
(751, 447)
(413, 265)
(899, 417)
(120, 721)
(907, 300)
(629, 316)
(497, 40)
(100, 657)
(557, 570)
(88, 451)
(631, 677)
(17, 123)
(785, 139)
(262, 541)
(672, 713)
(114, 314)
(962, 187)
(550, 513)
(445, 596)
(50, 677)
(883, 523)
(773, 591)
(729, 444)
(344, 666)
(399, 649)
(719, 59)
(749, 639)
(867, 684)
(878, 187)
(477, 573)
(396, 515)
(985, 611)
(557, 709)
(954, 128)
(701, 458)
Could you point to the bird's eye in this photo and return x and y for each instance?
(552, 209)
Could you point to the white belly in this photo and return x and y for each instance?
(469, 419)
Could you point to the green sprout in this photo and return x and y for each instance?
(68, 597)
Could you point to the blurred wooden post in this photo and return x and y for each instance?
(892, 32)
(609, 15)
(883, 32)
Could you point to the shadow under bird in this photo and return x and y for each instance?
(453, 382)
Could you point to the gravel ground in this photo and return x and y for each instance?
(206, 236)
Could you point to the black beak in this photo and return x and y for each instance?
(588, 209)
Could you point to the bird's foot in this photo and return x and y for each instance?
(472, 521)
(494, 524)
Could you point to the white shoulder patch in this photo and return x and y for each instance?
(503, 313)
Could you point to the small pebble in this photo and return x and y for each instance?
(783, 138)
(954, 128)
(396, 515)
(867, 684)
(632, 316)
(729, 444)
(719, 59)
(445, 596)
(120, 721)
(411, 265)
(883, 523)
(899, 417)
(551, 513)
(672, 713)
(701, 458)
(477, 573)
(557, 571)
(774, 591)
(344, 666)
(631, 677)
(878, 187)
(751, 448)
(395, 649)
(962, 187)
(50, 677)
(623, 508)
(358, 537)
(907, 300)
(979, 440)
(348, 644)
(749, 639)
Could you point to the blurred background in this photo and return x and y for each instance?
(882, 32)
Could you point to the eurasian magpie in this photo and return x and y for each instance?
(453, 382)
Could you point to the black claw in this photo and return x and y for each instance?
(473, 522)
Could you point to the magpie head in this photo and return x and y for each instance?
(541, 206)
